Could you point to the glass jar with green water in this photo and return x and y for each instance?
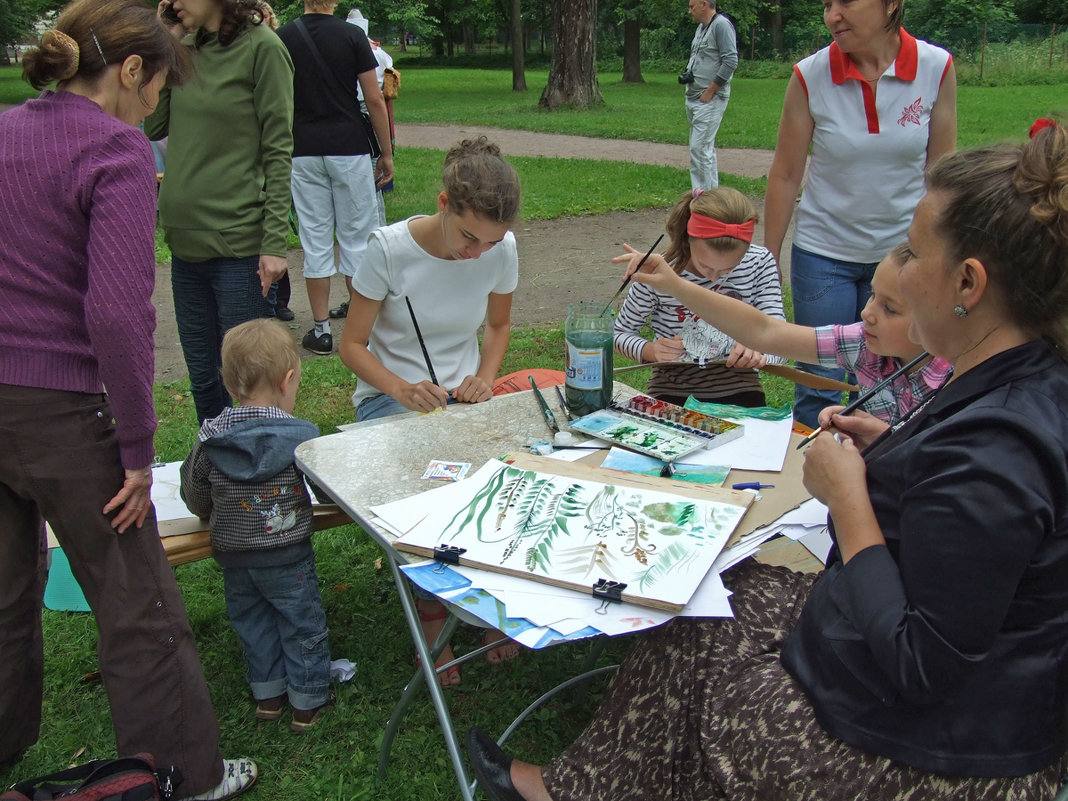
(588, 336)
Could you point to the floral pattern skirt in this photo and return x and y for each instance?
(702, 709)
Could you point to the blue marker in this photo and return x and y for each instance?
(753, 485)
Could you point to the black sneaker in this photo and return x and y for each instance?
(340, 311)
(322, 344)
(284, 313)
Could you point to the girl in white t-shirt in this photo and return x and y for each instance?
(446, 272)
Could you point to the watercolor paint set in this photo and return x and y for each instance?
(656, 428)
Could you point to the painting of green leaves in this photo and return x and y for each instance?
(575, 532)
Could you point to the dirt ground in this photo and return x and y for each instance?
(560, 261)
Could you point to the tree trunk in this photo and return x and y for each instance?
(519, 49)
(776, 31)
(573, 67)
(469, 38)
(632, 50)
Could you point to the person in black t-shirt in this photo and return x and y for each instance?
(333, 179)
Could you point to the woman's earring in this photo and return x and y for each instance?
(960, 311)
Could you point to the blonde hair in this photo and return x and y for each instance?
(722, 203)
(256, 355)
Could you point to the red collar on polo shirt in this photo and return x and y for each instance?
(843, 68)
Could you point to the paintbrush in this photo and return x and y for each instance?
(563, 403)
(419, 336)
(627, 279)
(869, 394)
(550, 418)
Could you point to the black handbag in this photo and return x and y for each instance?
(365, 119)
(125, 779)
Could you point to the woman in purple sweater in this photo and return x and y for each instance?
(77, 219)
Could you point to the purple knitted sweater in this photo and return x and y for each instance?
(77, 259)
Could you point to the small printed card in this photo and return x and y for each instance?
(438, 470)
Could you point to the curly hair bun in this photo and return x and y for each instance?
(56, 59)
(1042, 176)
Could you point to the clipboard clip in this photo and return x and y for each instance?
(608, 592)
(447, 555)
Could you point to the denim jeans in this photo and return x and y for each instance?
(704, 119)
(210, 298)
(278, 614)
(826, 291)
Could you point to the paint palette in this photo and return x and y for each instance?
(656, 428)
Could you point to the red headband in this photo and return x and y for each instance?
(706, 228)
(1040, 124)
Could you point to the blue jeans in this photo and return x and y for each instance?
(210, 298)
(278, 614)
(825, 291)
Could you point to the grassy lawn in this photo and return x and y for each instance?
(337, 761)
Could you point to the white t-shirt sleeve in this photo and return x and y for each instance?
(372, 278)
(508, 278)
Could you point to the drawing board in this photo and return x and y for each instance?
(572, 525)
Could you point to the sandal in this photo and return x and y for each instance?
(505, 652)
(450, 677)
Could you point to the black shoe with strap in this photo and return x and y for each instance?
(340, 311)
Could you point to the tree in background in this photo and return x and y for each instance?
(573, 68)
(519, 48)
(17, 20)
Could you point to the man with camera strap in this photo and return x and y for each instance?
(713, 57)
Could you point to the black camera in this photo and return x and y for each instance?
(170, 16)
(686, 77)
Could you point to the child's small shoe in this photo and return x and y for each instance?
(304, 719)
(270, 708)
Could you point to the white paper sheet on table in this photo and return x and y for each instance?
(819, 542)
(762, 447)
(800, 521)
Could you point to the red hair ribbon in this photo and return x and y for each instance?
(707, 228)
(1041, 123)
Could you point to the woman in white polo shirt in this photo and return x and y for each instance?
(877, 106)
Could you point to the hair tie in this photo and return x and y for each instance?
(64, 42)
(696, 193)
(1040, 124)
(707, 228)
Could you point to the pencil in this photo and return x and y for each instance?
(869, 394)
(627, 279)
(419, 336)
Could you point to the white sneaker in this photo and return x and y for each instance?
(238, 776)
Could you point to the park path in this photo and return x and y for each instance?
(748, 163)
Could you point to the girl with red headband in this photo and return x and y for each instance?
(871, 349)
(711, 247)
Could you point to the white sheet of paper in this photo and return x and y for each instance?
(166, 492)
(762, 447)
(798, 522)
(819, 542)
(404, 514)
